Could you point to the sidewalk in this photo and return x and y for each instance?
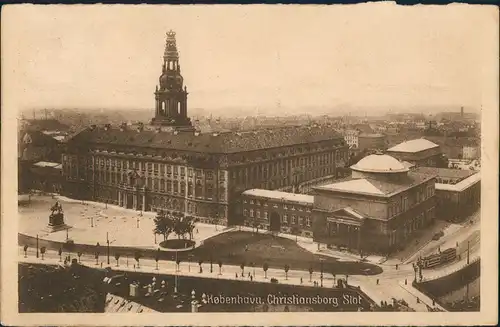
(387, 290)
(421, 296)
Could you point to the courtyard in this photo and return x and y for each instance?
(92, 223)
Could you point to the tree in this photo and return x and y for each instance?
(25, 251)
(220, 267)
(79, 254)
(157, 258)
(137, 257)
(178, 225)
(265, 267)
(310, 273)
(242, 266)
(163, 224)
(60, 254)
(287, 267)
(200, 263)
(42, 250)
(117, 257)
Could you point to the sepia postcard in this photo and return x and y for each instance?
(257, 165)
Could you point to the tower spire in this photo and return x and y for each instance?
(171, 95)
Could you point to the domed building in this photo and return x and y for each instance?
(377, 209)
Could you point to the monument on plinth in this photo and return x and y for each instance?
(56, 219)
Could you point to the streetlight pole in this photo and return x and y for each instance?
(321, 276)
(107, 241)
(37, 255)
(468, 252)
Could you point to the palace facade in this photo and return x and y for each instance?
(170, 165)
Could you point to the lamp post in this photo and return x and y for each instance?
(321, 275)
(37, 255)
(211, 263)
(107, 241)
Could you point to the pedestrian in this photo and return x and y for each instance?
(251, 278)
(418, 300)
(406, 281)
(301, 280)
(197, 231)
(249, 275)
(396, 266)
(101, 264)
(236, 275)
(377, 281)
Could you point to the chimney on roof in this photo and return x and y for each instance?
(107, 126)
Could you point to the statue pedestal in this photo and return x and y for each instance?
(56, 223)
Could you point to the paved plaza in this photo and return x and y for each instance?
(90, 223)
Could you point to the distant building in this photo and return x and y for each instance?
(371, 142)
(351, 138)
(377, 209)
(34, 146)
(420, 152)
(471, 151)
(458, 192)
(47, 176)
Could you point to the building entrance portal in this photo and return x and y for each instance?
(130, 201)
(275, 222)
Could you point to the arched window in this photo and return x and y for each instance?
(179, 108)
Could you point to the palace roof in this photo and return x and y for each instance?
(376, 187)
(278, 195)
(413, 146)
(227, 142)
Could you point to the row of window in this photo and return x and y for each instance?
(162, 185)
(402, 203)
(162, 169)
(285, 166)
(285, 206)
(284, 219)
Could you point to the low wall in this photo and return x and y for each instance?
(441, 286)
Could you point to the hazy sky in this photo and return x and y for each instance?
(250, 56)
